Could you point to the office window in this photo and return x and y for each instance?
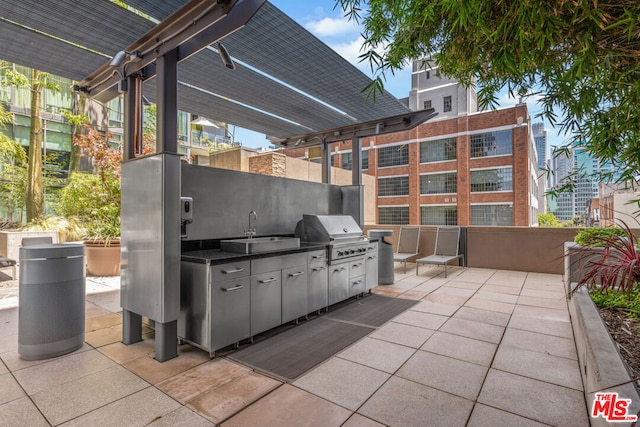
(446, 107)
(396, 186)
(492, 180)
(365, 159)
(393, 215)
(491, 143)
(439, 215)
(115, 110)
(398, 155)
(347, 161)
(427, 104)
(57, 101)
(440, 183)
(492, 215)
(438, 150)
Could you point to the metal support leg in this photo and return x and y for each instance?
(131, 327)
(166, 340)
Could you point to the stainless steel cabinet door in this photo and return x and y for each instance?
(372, 270)
(294, 293)
(318, 283)
(356, 285)
(266, 301)
(230, 312)
(338, 282)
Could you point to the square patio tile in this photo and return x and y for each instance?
(508, 290)
(400, 402)
(122, 353)
(50, 375)
(100, 322)
(422, 320)
(80, 396)
(485, 304)
(152, 371)
(537, 400)
(15, 363)
(413, 294)
(482, 316)
(377, 354)
(220, 403)
(557, 304)
(549, 327)
(109, 300)
(9, 389)
(467, 286)
(545, 277)
(21, 412)
(446, 298)
(429, 286)
(475, 330)
(190, 384)
(475, 275)
(427, 306)
(358, 420)
(302, 409)
(345, 383)
(539, 366)
(542, 343)
(92, 310)
(453, 376)
(483, 416)
(182, 417)
(388, 291)
(496, 296)
(137, 409)
(553, 295)
(9, 342)
(542, 313)
(462, 348)
(398, 333)
(3, 368)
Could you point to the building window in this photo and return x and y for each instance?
(396, 186)
(446, 107)
(347, 161)
(365, 159)
(439, 215)
(500, 179)
(438, 150)
(491, 143)
(398, 155)
(428, 73)
(440, 183)
(427, 104)
(492, 215)
(393, 215)
(334, 160)
(116, 112)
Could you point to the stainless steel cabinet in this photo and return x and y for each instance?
(356, 276)
(318, 287)
(294, 293)
(214, 313)
(338, 282)
(266, 301)
(372, 266)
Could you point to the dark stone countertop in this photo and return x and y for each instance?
(217, 256)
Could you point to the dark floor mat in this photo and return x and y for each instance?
(292, 353)
(372, 310)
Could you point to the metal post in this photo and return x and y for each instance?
(167, 94)
(356, 157)
(326, 163)
(166, 340)
(133, 118)
(131, 327)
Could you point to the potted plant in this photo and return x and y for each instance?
(94, 199)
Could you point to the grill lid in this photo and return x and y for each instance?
(327, 228)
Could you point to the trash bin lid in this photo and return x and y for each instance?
(380, 233)
(49, 251)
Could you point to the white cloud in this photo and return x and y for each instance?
(331, 27)
(350, 51)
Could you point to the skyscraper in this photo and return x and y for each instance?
(540, 137)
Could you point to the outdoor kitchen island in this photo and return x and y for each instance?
(228, 297)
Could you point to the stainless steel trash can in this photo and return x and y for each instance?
(385, 256)
(51, 300)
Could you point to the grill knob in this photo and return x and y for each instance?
(340, 253)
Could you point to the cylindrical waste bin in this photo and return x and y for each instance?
(51, 300)
(385, 256)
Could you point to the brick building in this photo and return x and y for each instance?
(462, 167)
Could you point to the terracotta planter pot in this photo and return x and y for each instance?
(103, 259)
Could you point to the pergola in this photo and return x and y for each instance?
(286, 83)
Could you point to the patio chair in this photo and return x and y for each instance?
(408, 242)
(447, 249)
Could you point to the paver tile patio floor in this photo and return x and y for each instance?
(482, 348)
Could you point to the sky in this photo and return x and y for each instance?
(330, 26)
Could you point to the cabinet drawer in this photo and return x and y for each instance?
(317, 257)
(280, 262)
(229, 271)
(356, 267)
(357, 285)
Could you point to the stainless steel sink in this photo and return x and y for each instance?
(259, 244)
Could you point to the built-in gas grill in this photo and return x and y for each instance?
(340, 232)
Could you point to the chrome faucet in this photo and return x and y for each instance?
(251, 231)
